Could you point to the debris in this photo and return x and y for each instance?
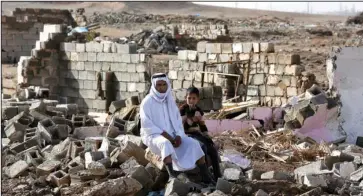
(114, 187)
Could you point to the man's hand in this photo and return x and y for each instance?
(168, 137)
(177, 141)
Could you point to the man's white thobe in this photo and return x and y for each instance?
(154, 120)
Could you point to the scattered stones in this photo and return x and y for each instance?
(275, 175)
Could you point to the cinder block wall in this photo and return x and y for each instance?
(21, 30)
(272, 77)
(202, 31)
(90, 74)
(91, 71)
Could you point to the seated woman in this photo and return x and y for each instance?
(195, 127)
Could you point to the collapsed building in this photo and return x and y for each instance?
(274, 111)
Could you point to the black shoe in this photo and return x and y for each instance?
(206, 176)
(170, 170)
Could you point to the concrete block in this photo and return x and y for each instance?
(80, 47)
(192, 55)
(87, 94)
(107, 47)
(254, 174)
(247, 47)
(233, 174)
(273, 79)
(105, 66)
(237, 48)
(244, 57)
(345, 169)
(183, 55)
(140, 68)
(291, 91)
(225, 58)
(131, 87)
(267, 47)
(104, 57)
(47, 167)
(16, 169)
(68, 47)
(224, 186)
(33, 157)
(202, 57)
(82, 75)
(294, 70)
(312, 180)
(116, 105)
(176, 186)
(288, 59)
(53, 28)
(277, 69)
(131, 68)
(91, 56)
(95, 131)
(8, 112)
(201, 46)
(213, 48)
(126, 58)
(91, 75)
(226, 48)
(252, 91)
(122, 67)
(134, 100)
(126, 48)
(60, 178)
(258, 79)
(286, 80)
(94, 47)
(135, 58)
(256, 47)
(272, 58)
(293, 82)
(275, 175)
(279, 92)
(357, 175)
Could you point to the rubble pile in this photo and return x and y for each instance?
(116, 18)
(358, 19)
(79, 17)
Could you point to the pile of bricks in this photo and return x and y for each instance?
(21, 30)
(202, 31)
(95, 74)
(61, 144)
(272, 77)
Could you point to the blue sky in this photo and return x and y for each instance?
(316, 7)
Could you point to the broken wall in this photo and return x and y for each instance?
(348, 81)
(91, 74)
(21, 30)
(94, 74)
(202, 31)
(270, 77)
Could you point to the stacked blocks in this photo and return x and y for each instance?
(272, 77)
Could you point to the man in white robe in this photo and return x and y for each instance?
(162, 131)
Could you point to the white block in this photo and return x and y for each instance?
(52, 28)
(237, 48)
